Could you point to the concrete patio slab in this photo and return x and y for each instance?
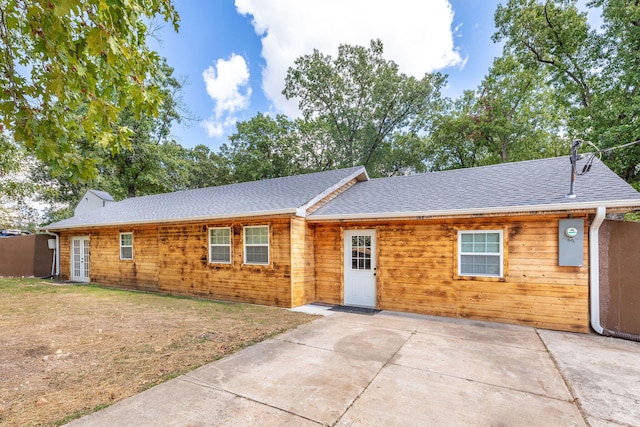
(394, 369)
(317, 309)
(486, 332)
(401, 396)
(310, 382)
(356, 339)
(183, 403)
(510, 367)
(385, 319)
(603, 372)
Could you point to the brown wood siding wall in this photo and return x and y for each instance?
(174, 259)
(107, 268)
(303, 287)
(65, 255)
(328, 264)
(417, 272)
(416, 263)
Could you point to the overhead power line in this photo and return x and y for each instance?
(628, 144)
(591, 156)
(574, 157)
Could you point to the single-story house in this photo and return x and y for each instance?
(500, 243)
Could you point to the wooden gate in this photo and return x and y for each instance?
(620, 278)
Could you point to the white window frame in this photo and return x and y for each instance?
(500, 254)
(246, 245)
(227, 245)
(126, 246)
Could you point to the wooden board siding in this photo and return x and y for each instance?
(174, 259)
(65, 255)
(416, 267)
(303, 289)
(328, 264)
(417, 272)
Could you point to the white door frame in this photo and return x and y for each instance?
(80, 261)
(360, 268)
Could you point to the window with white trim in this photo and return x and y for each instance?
(480, 253)
(126, 246)
(220, 245)
(256, 244)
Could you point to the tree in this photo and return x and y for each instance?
(516, 114)
(17, 191)
(616, 109)
(151, 163)
(362, 102)
(69, 68)
(596, 73)
(206, 168)
(452, 142)
(262, 148)
(512, 116)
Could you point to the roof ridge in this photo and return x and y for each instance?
(250, 182)
(282, 195)
(460, 170)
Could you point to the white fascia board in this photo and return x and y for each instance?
(170, 220)
(631, 204)
(361, 175)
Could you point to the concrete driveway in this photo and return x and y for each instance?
(394, 369)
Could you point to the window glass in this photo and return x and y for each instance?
(361, 252)
(256, 244)
(126, 245)
(480, 253)
(220, 245)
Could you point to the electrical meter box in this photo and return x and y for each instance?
(571, 242)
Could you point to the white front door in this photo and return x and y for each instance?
(360, 268)
(80, 259)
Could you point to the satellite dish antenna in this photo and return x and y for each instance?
(574, 157)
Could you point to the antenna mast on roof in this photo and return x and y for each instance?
(574, 157)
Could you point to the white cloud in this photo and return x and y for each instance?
(416, 34)
(214, 129)
(228, 86)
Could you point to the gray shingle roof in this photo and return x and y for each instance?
(271, 196)
(102, 195)
(516, 187)
(535, 185)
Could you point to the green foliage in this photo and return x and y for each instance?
(513, 116)
(632, 216)
(69, 68)
(554, 33)
(558, 79)
(361, 102)
(17, 191)
(595, 73)
(206, 168)
(516, 114)
(151, 163)
(262, 148)
(452, 143)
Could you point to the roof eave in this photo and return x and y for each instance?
(627, 204)
(287, 211)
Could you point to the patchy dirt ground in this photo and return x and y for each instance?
(69, 350)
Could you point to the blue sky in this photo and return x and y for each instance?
(234, 54)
